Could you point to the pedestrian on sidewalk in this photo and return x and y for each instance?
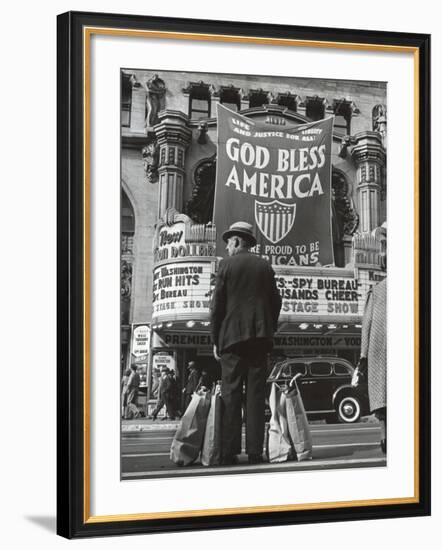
(124, 382)
(244, 316)
(156, 380)
(175, 394)
(133, 385)
(373, 360)
(191, 384)
(205, 380)
(165, 396)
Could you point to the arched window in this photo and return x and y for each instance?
(344, 217)
(126, 267)
(200, 207)
(126, 99)
(127, 225)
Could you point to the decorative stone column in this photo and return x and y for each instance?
(369, 156)
(173, 136)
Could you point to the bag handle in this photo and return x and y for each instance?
(293, 380)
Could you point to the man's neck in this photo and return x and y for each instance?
(241, 251)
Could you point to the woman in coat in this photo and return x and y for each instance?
(133, 384)
(124, 382)
(373, 360)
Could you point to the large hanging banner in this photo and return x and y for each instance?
(279, 180)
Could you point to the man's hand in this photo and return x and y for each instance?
(356, 378)
(215, 353)
(360, 372)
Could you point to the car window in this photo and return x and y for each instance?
(342, 370)
(285, 371)
(297, 368)
(275, 370)
(320, 369)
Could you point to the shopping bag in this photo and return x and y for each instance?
(279, 445)
(188, 439)
(299, 430)
(211, 451)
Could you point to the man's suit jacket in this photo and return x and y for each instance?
(246, 303)
(192, 381)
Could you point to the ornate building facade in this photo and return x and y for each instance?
(168, 169)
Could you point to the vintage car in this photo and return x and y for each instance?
(325, 386)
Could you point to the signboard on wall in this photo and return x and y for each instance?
(283, 341)
(186, 340)
(320, 341)
(321, 296)
(140, 341)
(170, 241)
(163, 359)
(279, 180)
(182, 290)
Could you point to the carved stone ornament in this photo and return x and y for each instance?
(202, 133)
(379, 115)
(126, 280)
(155, 99)
(379, 118)
(346, 142)
(347, 218)
(369, 249)
(150, 155)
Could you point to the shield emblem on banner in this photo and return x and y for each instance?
(274, 219)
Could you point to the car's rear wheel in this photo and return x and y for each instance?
(348, 409)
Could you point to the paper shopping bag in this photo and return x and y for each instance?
(211, 451)
(188, 439)
(279, 446)
(299, 430)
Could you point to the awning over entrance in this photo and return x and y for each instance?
(196, 334)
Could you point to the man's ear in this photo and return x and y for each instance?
(236, 242)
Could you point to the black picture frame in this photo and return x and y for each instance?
(73, 517)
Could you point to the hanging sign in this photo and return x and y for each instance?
(280, 182)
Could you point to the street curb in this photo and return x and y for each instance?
(271, 468)
(173, 426)
(170, 426)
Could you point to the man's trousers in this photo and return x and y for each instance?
(164, 400)
(244, 363)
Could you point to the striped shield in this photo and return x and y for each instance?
(274, 219)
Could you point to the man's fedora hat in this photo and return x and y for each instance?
(240, 229)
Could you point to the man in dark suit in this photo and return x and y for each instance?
(192, 383)
(244, 316)
(165, 396)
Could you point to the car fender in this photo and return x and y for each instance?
(355, 391)
(347, 389)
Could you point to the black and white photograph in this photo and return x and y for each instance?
(253, 273)
(202, 330)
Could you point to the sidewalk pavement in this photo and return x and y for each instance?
(148, 425)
